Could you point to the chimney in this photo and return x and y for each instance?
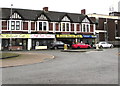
(83, 11)
(45, 8)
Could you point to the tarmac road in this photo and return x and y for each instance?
(94, 67)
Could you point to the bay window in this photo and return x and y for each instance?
(42, 26)
(65, 26)
(15, 25)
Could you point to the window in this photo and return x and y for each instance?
(13, 25)
(44, 26)
(63, 26)
(84, 28)
(17, 25)
(40, 25)
(67, 26)
(87, 28)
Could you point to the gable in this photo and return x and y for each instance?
(42, 17)
(86, 20)
(65, 18)
(16, 16)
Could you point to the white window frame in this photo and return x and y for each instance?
(10, 28)
(47, 29)
(85, 27)
(65, 26)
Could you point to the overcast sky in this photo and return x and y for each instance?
(72, 6)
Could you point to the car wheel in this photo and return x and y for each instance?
(111, 46)
(88, 47)
(78, 47)
(55, 48)
(101, 46)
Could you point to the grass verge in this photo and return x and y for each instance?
(8, 55)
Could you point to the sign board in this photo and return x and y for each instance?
(69, 36)
(27, 36)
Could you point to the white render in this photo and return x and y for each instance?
(29, 44)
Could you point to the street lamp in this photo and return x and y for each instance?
(116, 29)
(105, 28)
(11, 27)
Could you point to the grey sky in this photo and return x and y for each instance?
(74, 6)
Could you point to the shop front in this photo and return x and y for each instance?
(71, 38)
(26, 41)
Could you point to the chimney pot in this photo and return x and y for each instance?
(45, 8)
(83, 11)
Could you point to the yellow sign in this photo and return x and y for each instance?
(14, 35)
(69, 36)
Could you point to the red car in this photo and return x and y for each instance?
(81, 45)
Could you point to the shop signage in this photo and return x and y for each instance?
(27, 36)
(14, 35)
(69, 36)
(89, 36)
(42, 36)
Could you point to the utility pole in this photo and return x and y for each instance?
(11, 27)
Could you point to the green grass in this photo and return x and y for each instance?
(7, 55)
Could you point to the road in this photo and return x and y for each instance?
(94, 67)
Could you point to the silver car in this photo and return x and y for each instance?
(103, 45)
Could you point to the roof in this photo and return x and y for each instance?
(28, 14)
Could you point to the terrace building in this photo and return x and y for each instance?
(24, 29)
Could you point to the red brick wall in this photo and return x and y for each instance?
(32, 25)
(72, 27)
(57, 27)
(25, 25)
(4, 25)
(51, 26)
(91, 28)
(78, 27)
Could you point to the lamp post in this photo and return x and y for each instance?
(105, 28)
(11, 27)
(116, 30)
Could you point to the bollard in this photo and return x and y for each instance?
(65, 46)
(97, 46)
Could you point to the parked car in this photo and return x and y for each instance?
(58, 45)
(81, 45)
(103, 45)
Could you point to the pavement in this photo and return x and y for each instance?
(25, 58)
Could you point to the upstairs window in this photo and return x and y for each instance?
(15, 25)
(42, 26)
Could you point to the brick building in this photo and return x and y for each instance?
(25, 29)
(107, 27)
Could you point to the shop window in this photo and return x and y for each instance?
(16, 42)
